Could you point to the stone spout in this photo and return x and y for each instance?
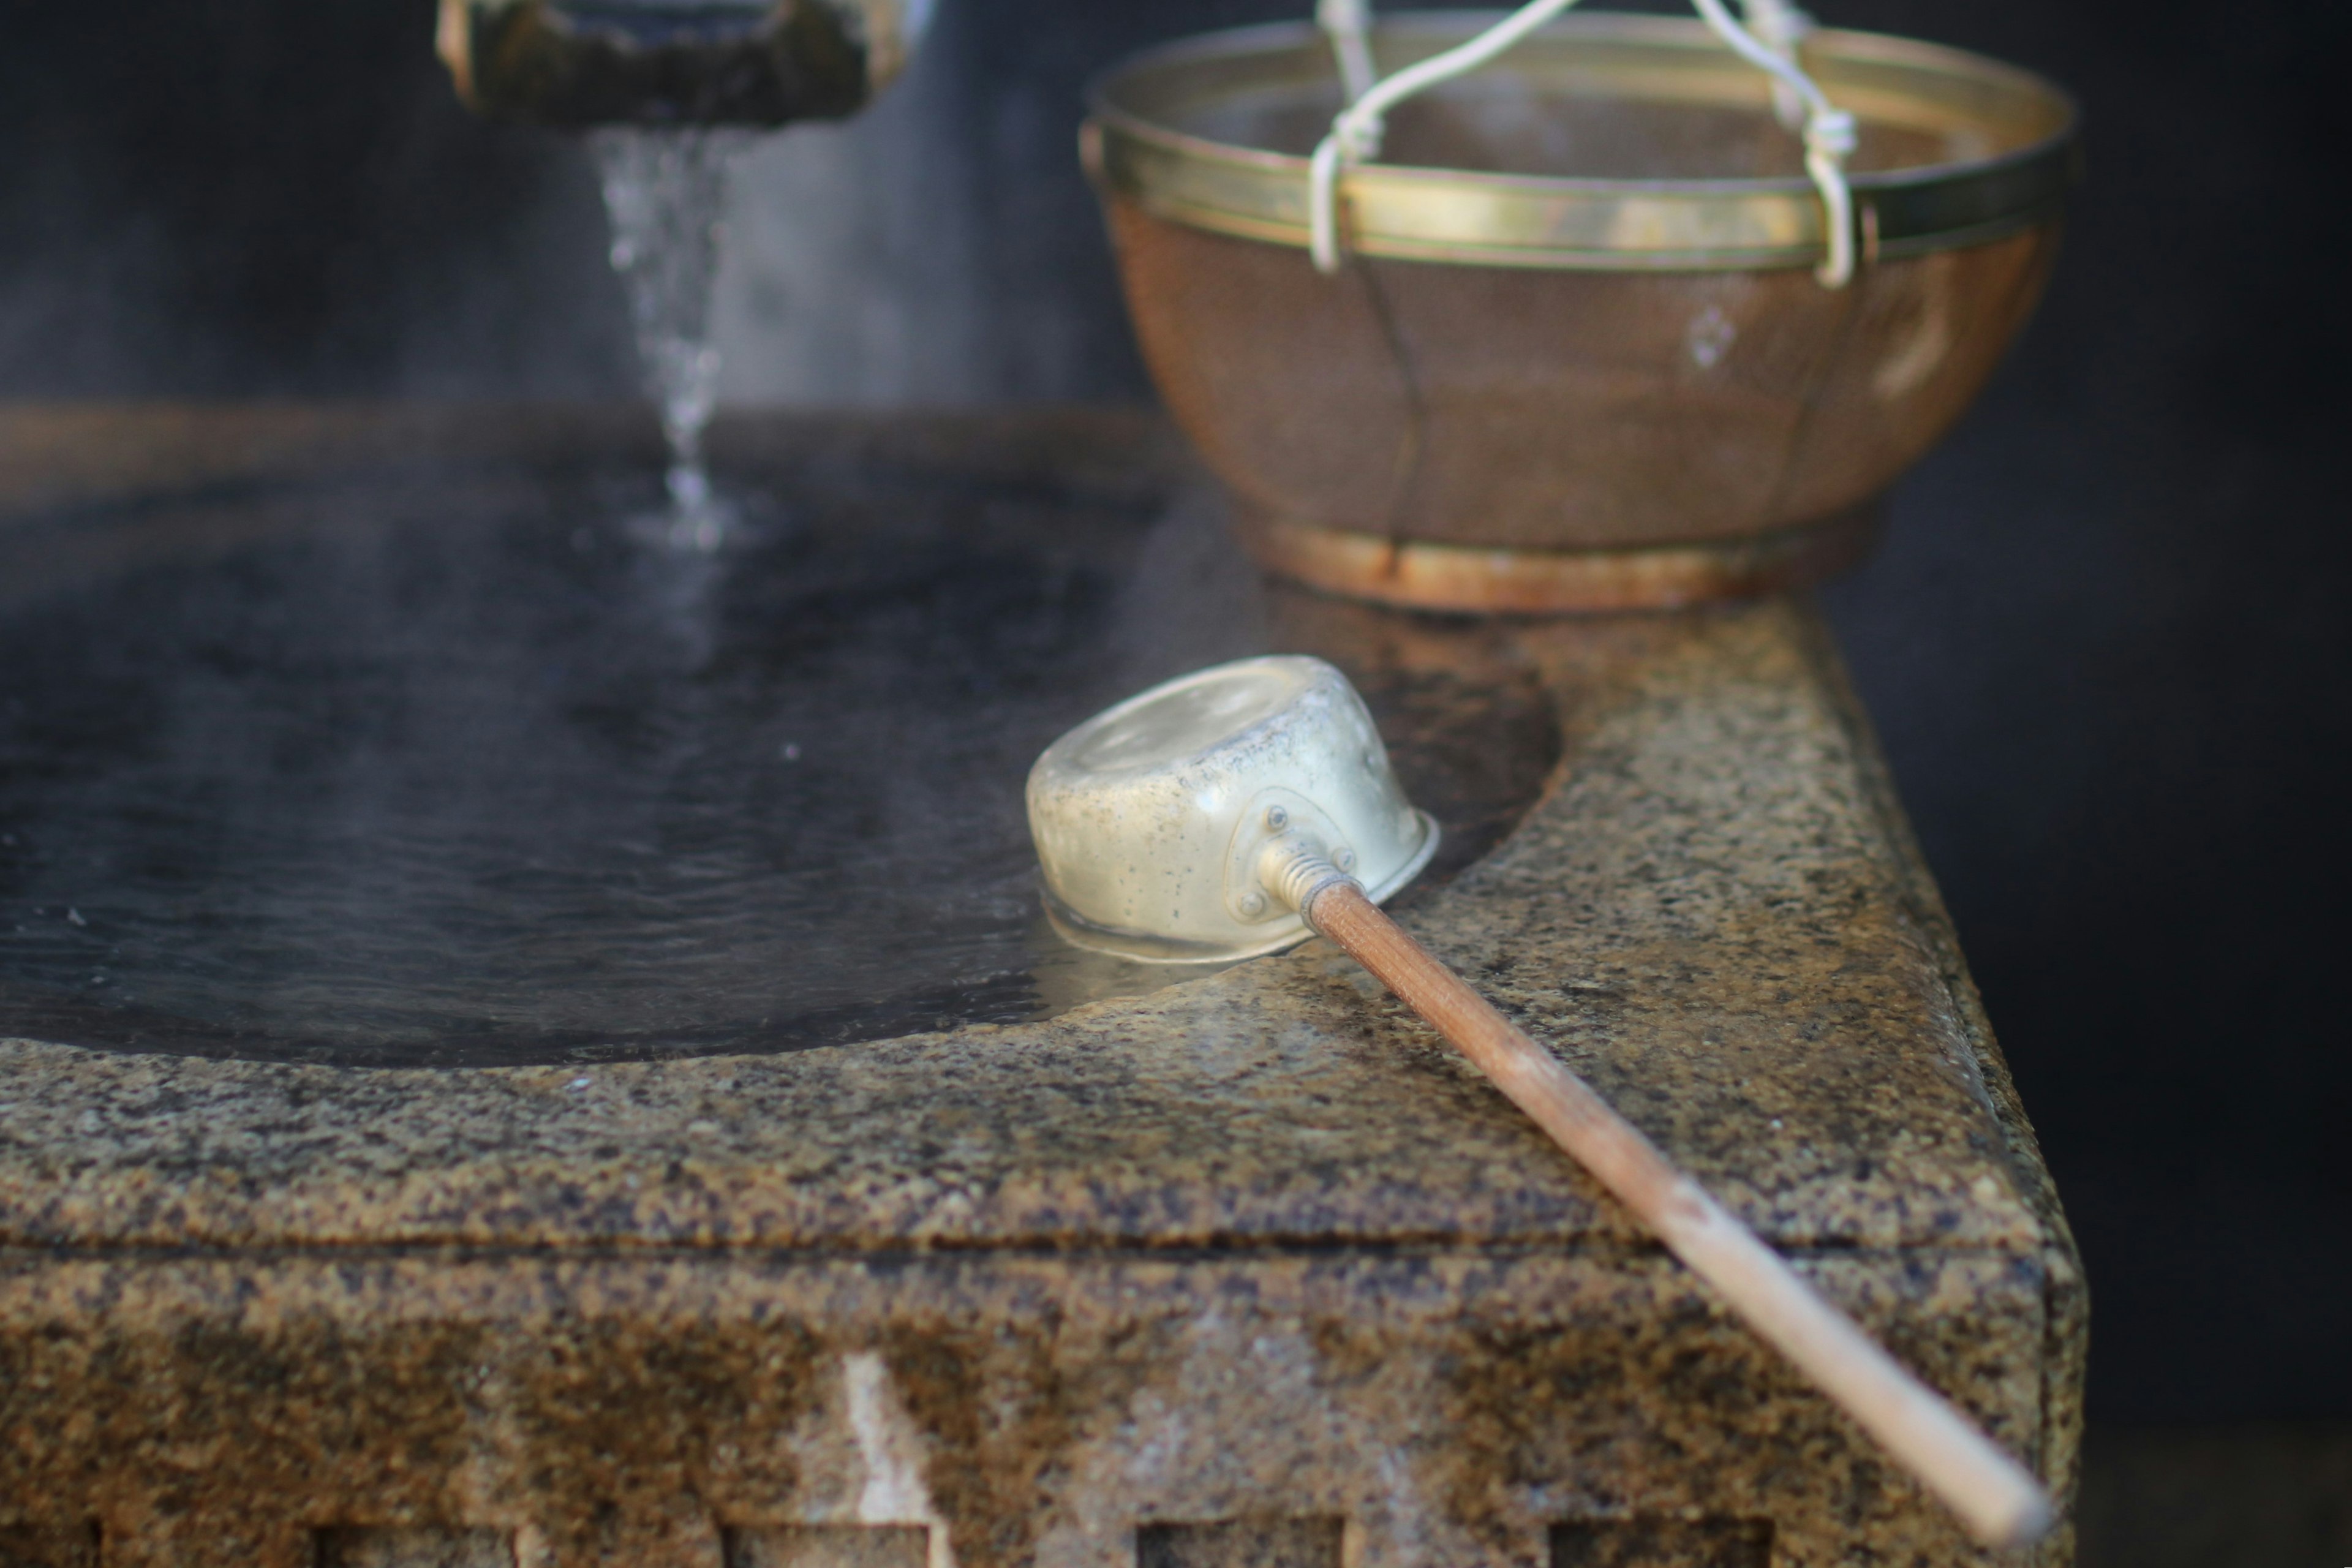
(572, 64)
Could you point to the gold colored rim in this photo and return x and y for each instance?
(1474, 579)
(2027, 125)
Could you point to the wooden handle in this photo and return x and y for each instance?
(1998, 1501)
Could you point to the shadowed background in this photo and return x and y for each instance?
(2106, 642)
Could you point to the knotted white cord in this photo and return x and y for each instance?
(1349, 24)
(1781, 28)
(1357, 130)
(1829, 137)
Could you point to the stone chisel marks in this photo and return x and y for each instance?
(405, 1548)
(35, 1547)
(1242, 1543)
(830, 1546)
(1663, 1543)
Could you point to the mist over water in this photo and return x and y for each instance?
(665, 193)
(429, 766)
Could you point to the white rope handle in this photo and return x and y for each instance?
(1829, 139)
(1781, 28)
(1357, 129)
(1349, 24)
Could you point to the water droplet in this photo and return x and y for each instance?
(1711, 335)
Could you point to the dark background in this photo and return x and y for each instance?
(2106, 642)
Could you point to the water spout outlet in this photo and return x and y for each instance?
(572, 64)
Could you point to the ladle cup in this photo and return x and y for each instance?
(1222, 814)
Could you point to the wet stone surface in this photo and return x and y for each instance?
(452, 768)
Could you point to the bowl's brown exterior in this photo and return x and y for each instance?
(1470, 437)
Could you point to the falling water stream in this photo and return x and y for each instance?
(666, 192)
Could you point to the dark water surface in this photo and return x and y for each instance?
(451, 769)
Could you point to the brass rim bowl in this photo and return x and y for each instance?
(1578, 358)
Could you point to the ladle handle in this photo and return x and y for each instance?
(1998, 1501)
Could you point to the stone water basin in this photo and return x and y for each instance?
(525, 1047)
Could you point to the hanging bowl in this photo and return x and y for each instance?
(1577, 357)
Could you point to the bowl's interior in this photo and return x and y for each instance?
(1601, 97)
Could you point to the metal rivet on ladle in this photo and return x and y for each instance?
(1158, 822)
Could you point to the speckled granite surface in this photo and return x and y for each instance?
(1254, 1247)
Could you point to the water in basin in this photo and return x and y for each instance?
(448, 768)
